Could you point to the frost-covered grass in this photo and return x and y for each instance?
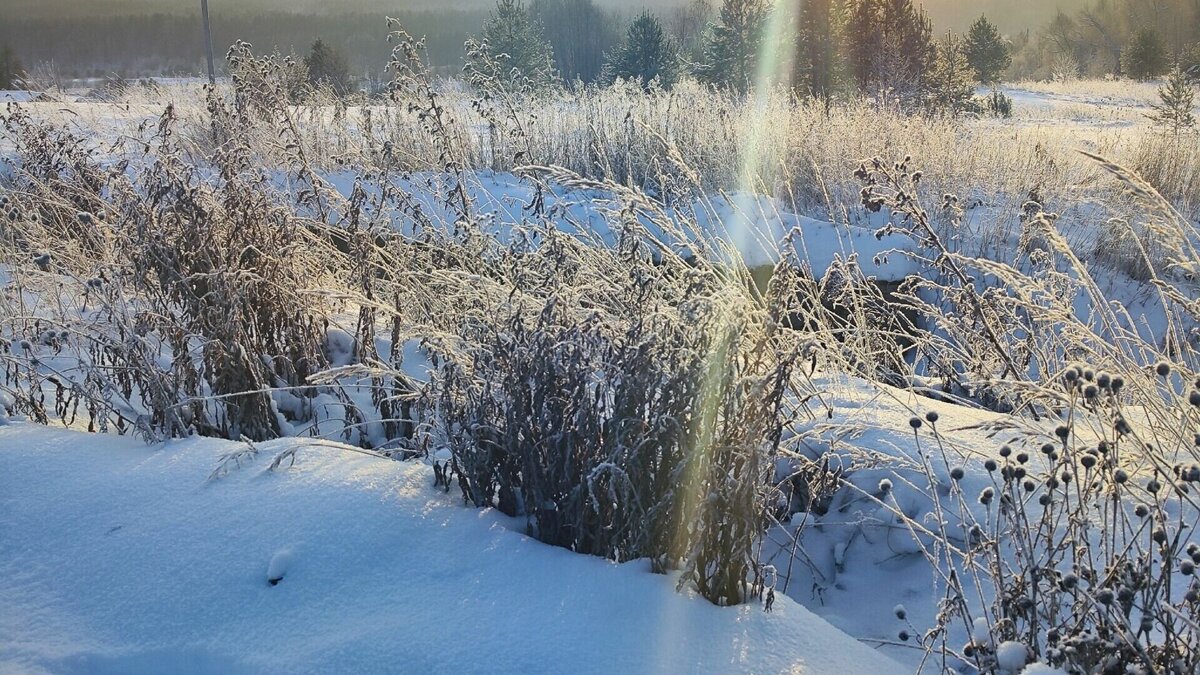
(675, 327)
(1115, 91)
(798, 151)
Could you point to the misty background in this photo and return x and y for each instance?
(140, 38)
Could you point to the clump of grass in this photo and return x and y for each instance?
(639, 418)
(1075, 552)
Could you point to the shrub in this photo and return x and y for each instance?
(641, 421)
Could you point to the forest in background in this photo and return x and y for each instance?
(138, 38)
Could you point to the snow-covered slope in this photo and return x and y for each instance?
(119, 557)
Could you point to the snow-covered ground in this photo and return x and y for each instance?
(1096, 104)
(117, 557)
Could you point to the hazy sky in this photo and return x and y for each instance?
(956, 14)
(942, 10)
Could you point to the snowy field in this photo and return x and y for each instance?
(952, 469)
(120, 557)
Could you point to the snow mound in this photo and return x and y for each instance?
(118, 557)
(278, 567)
(1040, 668)
(1012, 656)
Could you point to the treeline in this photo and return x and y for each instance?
(824, 45)
(86, 44)
(1132, 38)
(821, 48)
(168, 44)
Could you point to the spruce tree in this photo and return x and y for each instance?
(1178, 100)
(510, 52)
(1146, 55)
(732, 47)
(646, 54)
(816, 52)
(327, 66)
(986, 51)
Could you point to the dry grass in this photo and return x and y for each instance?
(185, 273)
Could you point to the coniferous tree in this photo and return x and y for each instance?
(986, 51)
(1178, 99)
(817, 50)
(579, 33)
(907, 38)
(950, 85)
(731, 51)
(862, 40)
(327, 66)
(10, 69)
(511, 51)
(1146, 55)
(646, 54)
(889, 46)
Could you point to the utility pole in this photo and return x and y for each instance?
(212, 72)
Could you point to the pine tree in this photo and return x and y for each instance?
(951, 82)
(1146, 55)
(511, 51)
(732, 48)
(1178, 100)
(817, 52)
(10, 69)
(907, 38)
(889, 45)
(327, 66)
(986, 51)
(861, 39)
(647, 54)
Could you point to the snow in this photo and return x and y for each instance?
(122, 557)
(1042, 669)
(981, 632)
(280, 562)
(119, 557)
(18, 96)
(1011, 656)
(760, 230)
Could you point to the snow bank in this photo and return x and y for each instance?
(18, 96)
(118, 557)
